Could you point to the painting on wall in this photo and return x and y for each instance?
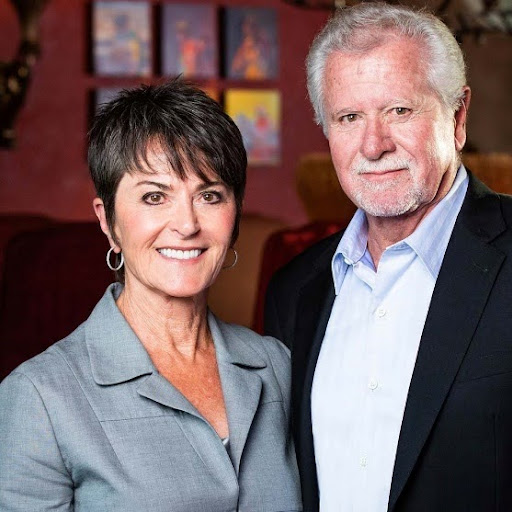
(257, 113)
(252, 49)
(121, 40)
(189, 40)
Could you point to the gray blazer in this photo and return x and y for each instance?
(90, 425)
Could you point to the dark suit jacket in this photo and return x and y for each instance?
(455, 447)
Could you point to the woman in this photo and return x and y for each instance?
(153, 404)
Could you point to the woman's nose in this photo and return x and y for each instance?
(184, 219)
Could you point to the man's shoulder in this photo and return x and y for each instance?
(487, 205)
(506, 201)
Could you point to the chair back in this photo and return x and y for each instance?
(280, 248)
(53, 278)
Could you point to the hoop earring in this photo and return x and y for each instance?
(119, 265)
(234, 262)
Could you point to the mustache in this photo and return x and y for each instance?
(367, 167)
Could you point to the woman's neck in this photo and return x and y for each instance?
(174, 325)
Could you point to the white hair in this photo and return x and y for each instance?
(366, 26)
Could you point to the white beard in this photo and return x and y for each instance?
(371, 197)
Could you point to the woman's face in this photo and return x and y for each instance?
(174, 233)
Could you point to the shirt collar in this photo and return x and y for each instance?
(428, 241)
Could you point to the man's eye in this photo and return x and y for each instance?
(153, 198)
(349, 118)
(401, 110)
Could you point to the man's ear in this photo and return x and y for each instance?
(99, 210)
(460, 118)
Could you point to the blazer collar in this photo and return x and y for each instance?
(116, 353)
(118, 356)
(232, 344)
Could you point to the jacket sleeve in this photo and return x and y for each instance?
(33, 475)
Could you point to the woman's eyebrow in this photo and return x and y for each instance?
(207, 184)
(161, 186)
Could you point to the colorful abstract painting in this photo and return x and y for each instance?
(257, 114)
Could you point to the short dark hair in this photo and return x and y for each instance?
(191, 128)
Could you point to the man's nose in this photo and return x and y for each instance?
(377, 139)
(184, 219)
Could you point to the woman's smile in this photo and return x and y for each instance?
(181, 254)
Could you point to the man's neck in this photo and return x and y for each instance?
(386, 231)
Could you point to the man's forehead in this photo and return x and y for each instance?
(392, 47)
(394, 63)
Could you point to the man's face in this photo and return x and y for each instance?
(393, 144)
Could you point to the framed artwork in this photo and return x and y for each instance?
(251, 43)
(189, 40)
(121, 38)
(257, 113)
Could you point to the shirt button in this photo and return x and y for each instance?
(381, 312)
(373, 384)
(364, 462)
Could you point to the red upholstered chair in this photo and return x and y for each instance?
(53, 278)
(281, 247)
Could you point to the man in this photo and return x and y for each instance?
(400, 327)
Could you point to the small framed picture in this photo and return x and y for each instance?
(251, 43)
(189, 40)
(121, 38)
(257, 113)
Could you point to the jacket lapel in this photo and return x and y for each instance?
(118, 357)
(466, 278)
(241, 384)
(315, 302)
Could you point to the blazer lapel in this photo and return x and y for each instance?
(315, 302)
(159, 390)
(241, 384)
(466, 278)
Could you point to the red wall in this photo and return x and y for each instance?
(47, 172)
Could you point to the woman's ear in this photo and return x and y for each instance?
(99, 210)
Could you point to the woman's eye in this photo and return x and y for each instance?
(153, 198)
(211, 197)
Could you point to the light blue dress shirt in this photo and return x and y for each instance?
(368, 355)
